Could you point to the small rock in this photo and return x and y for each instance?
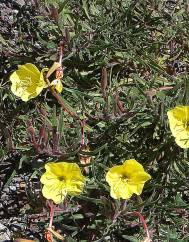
(6, 190)
(20, 2)
(4, 233)
(12, 188)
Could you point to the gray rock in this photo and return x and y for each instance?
(4, 233)
(12, 188)
(20, 2)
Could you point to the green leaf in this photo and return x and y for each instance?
(130, 238)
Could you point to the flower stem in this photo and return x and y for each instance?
(61, 53)
(143, 221)
(51, 206)
(60, 100)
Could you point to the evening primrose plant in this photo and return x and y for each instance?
(60, 180)
(64, 179)
(121, 82)
(124, 181)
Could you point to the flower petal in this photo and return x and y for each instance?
(27, 82)
(176, 125)
(179, 125)
(131, 167)
(114, 174)
(179, 113)
(182, 140)
(125, 191)
(48, 178)
(137, 188)
(54, 192)
(42, 77)
(139, 178)
(60, 179)
(57, 85)
(65, 169)
(126, 179)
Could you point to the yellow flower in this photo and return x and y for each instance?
(57, 84)
(126, 179)
(27, 81)
(179, 125)
(62, 179)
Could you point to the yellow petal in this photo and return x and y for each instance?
(179, 125)
(28, 68)
(48, 178)
(69, 170)
(75, 189)
(54, 192)
(176, 125)
(139, 178)
(180, 113)
(182, 140)
(115, 193)
(25, 97)
(25, 71)
(62, 178)
(137, 188)
(132, 167)
(126, 179)
(125, 191)
(114, 174)
(27, 82)
(57, 84)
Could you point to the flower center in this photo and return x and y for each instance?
(183, 126)
(61, 178)
(124, 179)
(187, 124)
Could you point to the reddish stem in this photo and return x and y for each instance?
(31, 131)
(51, 206)
(54, 92)
(143, 221)
(61, 53)
(60, 101)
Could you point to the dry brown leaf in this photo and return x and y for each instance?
(53, 68)
(104, 81)
(56, 234)
(24, 240)
(85, 159)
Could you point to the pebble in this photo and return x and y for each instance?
(21, 2)
(13, 188)
(5, 234)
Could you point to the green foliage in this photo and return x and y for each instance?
(143, 47)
